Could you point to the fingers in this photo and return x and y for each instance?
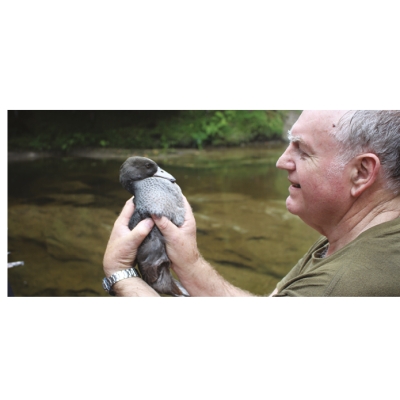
(168, 228)
(126, 213)
(188, 209)
(141, 230)
(123, 245)
(164, 225)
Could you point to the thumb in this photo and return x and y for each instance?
(164, 224)
(141, 230)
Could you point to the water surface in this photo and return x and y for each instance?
(61, 212)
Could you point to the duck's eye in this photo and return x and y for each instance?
(148, 165)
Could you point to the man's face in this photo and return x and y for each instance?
(319, 191)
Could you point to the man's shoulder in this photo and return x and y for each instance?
(371, 263)
(368, 266)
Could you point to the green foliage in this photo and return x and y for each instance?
(65, 130)
(236, 127)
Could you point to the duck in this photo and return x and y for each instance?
(155, 192)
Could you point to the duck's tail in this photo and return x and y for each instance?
(161, 280)
(184, 292)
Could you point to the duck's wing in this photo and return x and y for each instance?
(137, 216)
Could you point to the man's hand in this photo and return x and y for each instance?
(197, 276)
(180, 242)
(123, 243)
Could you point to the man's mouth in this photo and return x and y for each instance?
(294, 184)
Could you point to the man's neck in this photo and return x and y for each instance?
(361, 217)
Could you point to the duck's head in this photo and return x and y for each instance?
(138, 168)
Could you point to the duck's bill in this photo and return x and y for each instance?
(162, 174)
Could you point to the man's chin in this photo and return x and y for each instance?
(291, 206)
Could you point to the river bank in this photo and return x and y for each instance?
(120, 153)
(66, 130)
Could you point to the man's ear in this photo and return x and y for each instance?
(365, 171)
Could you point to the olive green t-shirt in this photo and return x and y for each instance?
(367, 266)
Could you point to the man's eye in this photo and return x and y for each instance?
(302, 153)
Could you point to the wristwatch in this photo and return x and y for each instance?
(118, 276)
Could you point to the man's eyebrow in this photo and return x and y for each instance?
(297, 139)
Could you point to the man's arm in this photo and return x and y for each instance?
(196, 274)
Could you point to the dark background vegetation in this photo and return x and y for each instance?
(54, 130)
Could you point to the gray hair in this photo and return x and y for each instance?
(375, 132)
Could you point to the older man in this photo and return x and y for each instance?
(344, 174)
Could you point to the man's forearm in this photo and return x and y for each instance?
(133, 287)
(204, 280)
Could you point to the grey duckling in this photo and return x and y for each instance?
(155, 193)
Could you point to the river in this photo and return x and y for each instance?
(61, 211)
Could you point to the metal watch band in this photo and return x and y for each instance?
(118, 276)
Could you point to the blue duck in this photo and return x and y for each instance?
(155, 193)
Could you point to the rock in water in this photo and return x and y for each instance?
(155, 193)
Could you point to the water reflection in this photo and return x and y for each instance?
(61, 211)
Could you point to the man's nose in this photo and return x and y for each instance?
(285, 161)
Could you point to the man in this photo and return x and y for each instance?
(344, 174)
